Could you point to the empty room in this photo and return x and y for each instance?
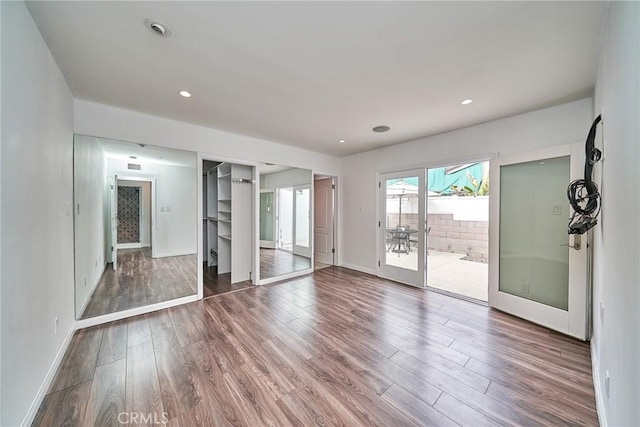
(238, 213)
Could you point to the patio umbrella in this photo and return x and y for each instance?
(399, 190)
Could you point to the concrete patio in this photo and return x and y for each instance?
(448, 271)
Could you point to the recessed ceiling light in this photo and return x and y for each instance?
(467, 101)
(381, 129)
(342, 141)
(185, 93)
(132, 157)
(158, 28)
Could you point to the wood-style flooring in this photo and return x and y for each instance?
(216, 284)
(275, 262)
(336, 347)
(141, 280)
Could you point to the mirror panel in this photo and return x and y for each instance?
(285, 221)
(135, 223)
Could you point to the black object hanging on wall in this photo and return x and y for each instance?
(583, 194)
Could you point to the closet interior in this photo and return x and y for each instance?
(227, 224)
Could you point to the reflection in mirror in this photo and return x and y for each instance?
(285, 222)
(135, 216)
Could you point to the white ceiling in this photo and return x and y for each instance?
(310, 73)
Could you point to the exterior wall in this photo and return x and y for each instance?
(464, 237)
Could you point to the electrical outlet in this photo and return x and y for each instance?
(161, 208)
(85, 281)
(607, 384)
(524, 287)
(168, 209)
(55, 326)
(602, 313)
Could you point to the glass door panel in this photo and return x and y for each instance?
(266, 219)
(285, 218)
(401, 227)
(533, 272)
(534, 244)
(302, 231)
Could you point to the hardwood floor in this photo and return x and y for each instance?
(216, 284)
(334, 348)
(141, 280)
(274, 262)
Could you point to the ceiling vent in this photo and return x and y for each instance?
(158, 28)
(133, 167)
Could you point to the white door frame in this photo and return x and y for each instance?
(333, 215)
(574, 321)
(152, 182)
(414, 278)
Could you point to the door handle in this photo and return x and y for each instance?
(576, 243)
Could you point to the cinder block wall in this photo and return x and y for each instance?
(465, 237)
(409, 220)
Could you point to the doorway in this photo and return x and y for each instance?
(293, 219)
(324, 224)
(227, 227)
(132, 226)
(458, 230)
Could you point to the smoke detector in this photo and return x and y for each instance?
(158, 28)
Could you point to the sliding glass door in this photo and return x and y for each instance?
(401, 226)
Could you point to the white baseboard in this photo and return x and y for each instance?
(129, 245)
(111, 317)
(48, 379)
(597, 386)
(359, 268)
(165, 255)
(286, 276)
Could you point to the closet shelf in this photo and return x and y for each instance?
(211, 218)
(225, 176)
(225, 236)
(228, 221)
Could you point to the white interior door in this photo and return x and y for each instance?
(302, 220)
(323, 221)
(114, 222)
(533, 272)
(401, 237)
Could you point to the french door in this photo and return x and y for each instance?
(302, 220)
(401, 222)
(536, 270)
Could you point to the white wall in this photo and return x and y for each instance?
(557, 125)
(463, 208)
(37, 229)
(176, 204)
(615, 347)
(288, 178)
(125, 125)
(90, 179)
